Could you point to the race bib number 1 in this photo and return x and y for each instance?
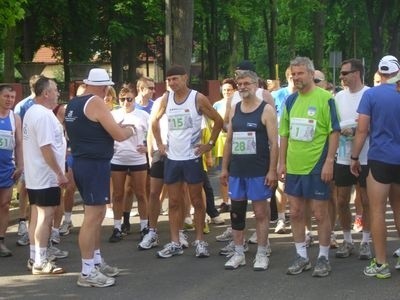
(302, 129)
(244, 143)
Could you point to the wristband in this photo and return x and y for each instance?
(353, 158)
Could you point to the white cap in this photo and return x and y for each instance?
(98, 77)
(388, 65)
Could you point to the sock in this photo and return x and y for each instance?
(32, 252)
(40, 255)
(324, 251)
(239, 249)
(97, 257)
(301, 249)
(87, 266)
(262, 250)
(126, 215)
(347, 236)
(281, 216)
(117, 224)
(67, 217)
(55, 230)
(143, 224)
(22, 220)
(366, 235)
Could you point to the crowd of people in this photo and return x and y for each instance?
(303, 146)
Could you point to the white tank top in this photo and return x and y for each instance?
(184, 127)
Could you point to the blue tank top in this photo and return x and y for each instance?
(250, 148)
(87, 139)
(7, 144)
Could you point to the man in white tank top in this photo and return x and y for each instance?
(184, 108)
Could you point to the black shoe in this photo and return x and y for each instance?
(116, 236)
(224, 208)
(126, 228)
(143, 232)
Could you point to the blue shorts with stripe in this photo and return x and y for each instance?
(307, 186)
(249, 188)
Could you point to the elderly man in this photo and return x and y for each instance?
(309, 133)
(92, 130)
(44, 149)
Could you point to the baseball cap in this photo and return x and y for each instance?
(388, 65)
(98, 77)
(245, 65)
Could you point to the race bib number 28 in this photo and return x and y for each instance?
(244, 143)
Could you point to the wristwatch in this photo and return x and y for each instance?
(211, 142)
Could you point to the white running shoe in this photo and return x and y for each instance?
(183, 239)
(280, 227)
(22, 228)
(106, 269)
(149, 241)
(95, 279)
(261, 262)
(235, 261)
(226, 236)
(65, 228)
(253, 238)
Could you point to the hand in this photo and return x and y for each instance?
(17, 174)
(202, 148)
(141, 149)
(271, 180)
(223, 178)
(327, 172)
(162, 148)
(355, 167)
(62, 180)
(282, 172)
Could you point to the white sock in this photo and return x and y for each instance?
(239, 249)
(301, 249)
(87, 266)
(67, 217)
(143, 224)
(117, 224)
(40, 255)
(324, 251)
(262, 250)
(366, 235)
(281, 216)
(32, 252)
(347, 236)
(97, 257)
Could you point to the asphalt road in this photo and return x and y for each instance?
(144, 276)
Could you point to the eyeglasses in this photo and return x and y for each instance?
(127, 99)
(344, 73)
(245, 84)
(317, 80)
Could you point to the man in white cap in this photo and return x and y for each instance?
(92, 130)
(379, 112)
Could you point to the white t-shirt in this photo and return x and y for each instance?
(125, 152)
(347, 104)
(40, 128)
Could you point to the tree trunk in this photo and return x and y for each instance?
(319, 34)
(9, 46)
(182, 32)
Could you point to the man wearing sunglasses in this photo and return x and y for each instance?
(347, 101)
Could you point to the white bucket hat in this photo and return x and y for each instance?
(98, 77)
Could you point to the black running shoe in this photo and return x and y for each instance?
(116, 236)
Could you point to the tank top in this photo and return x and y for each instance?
(7, 144)
(87, 139)
(250, 148)
(184, 127)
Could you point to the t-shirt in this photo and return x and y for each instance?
(382, 105)
(307, 125)
(40, 128)
(347, 104)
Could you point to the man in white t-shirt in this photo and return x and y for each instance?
(44, 149)
(347, 101)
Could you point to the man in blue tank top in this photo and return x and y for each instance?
(250, 165)
(11, 163)
(92, 130)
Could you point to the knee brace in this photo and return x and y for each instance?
(238, 214)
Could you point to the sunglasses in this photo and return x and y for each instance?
(127, 99)
(317, 80)
(344, 73)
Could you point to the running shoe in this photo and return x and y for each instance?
(373, 270)
(253, 238)
(149, 241)
(95, 279)
(345, 250)
(229, 249)
(116, 236)
(223, 208)
(65, 228)
(299, 265)
(261, 262)
(235, 261)
(201, 249)
(57, 253)
(22, 228)
(280, 227)
(23, 240)
(4, 251)
(226, 236)
(183, 240)
(322, 267)
(365, 251)
(334, 244)
(55, 236)
(47, 268)
(309, 239)
(218, 220)
(126, 228)
(106, 269)
(170, 249)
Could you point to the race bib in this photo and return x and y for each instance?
(302, 129)
(244, 143)
(6, 140)
(180, 120)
